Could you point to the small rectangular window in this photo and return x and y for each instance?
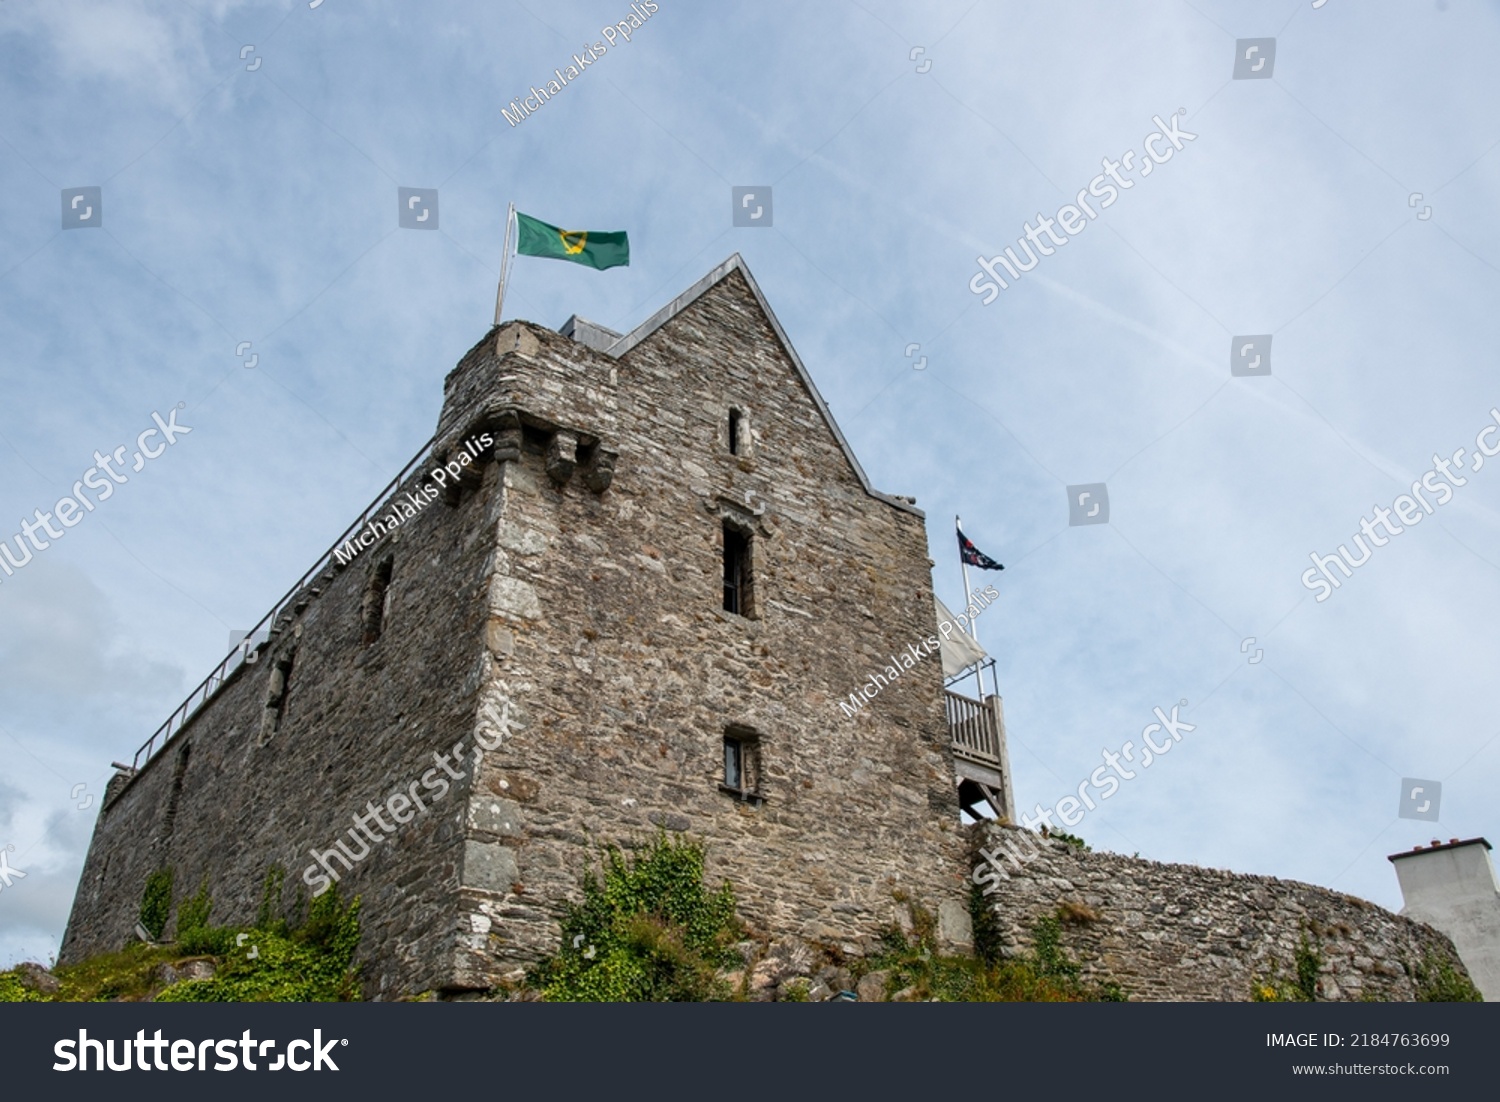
(742, 766)
(736, 571)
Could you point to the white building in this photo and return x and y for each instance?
(1451, 886)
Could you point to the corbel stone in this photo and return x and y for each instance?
(600, 472)
(508, 439)
(495, 415)
(562, 457)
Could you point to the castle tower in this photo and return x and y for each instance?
(624, 589)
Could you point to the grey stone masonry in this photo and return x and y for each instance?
(1183, 933)
(539, 656)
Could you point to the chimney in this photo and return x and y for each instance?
(1452, 887)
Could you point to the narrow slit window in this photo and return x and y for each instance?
(278, 688)
(736, 431)
(174, 793)
(281, 684)
(736, 571)
(376, 601)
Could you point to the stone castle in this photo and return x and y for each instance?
(624, 588)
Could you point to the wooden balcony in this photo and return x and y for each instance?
(976, 732)
(974, 728)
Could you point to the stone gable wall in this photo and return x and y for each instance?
(618, 672)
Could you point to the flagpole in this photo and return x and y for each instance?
(969, 600)
(510, 217)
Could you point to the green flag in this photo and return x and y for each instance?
(597, 250)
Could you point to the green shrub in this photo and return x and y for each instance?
(1071, 839)
(311, 964)
(796, 991)
(127, 976)
(1309, 963)
(156, 903)
(200, 941)
(986, 926)
(268, 917)
(1302, 987)
(647, 931)
(1047, 952)
(1275, 988)
(1045, 975)
(1439, 982)
(192, 912)
(12, 990)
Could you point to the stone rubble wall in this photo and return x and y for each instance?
(1182, 933)
(358, 723)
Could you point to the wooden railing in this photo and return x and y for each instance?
(246, 652)
(973, 729)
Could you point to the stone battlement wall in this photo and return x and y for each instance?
(1180, 932)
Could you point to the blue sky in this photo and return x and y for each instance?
(251, 196)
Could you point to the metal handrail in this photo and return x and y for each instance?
(246, 649)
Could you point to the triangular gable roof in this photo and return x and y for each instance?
(697, 290)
